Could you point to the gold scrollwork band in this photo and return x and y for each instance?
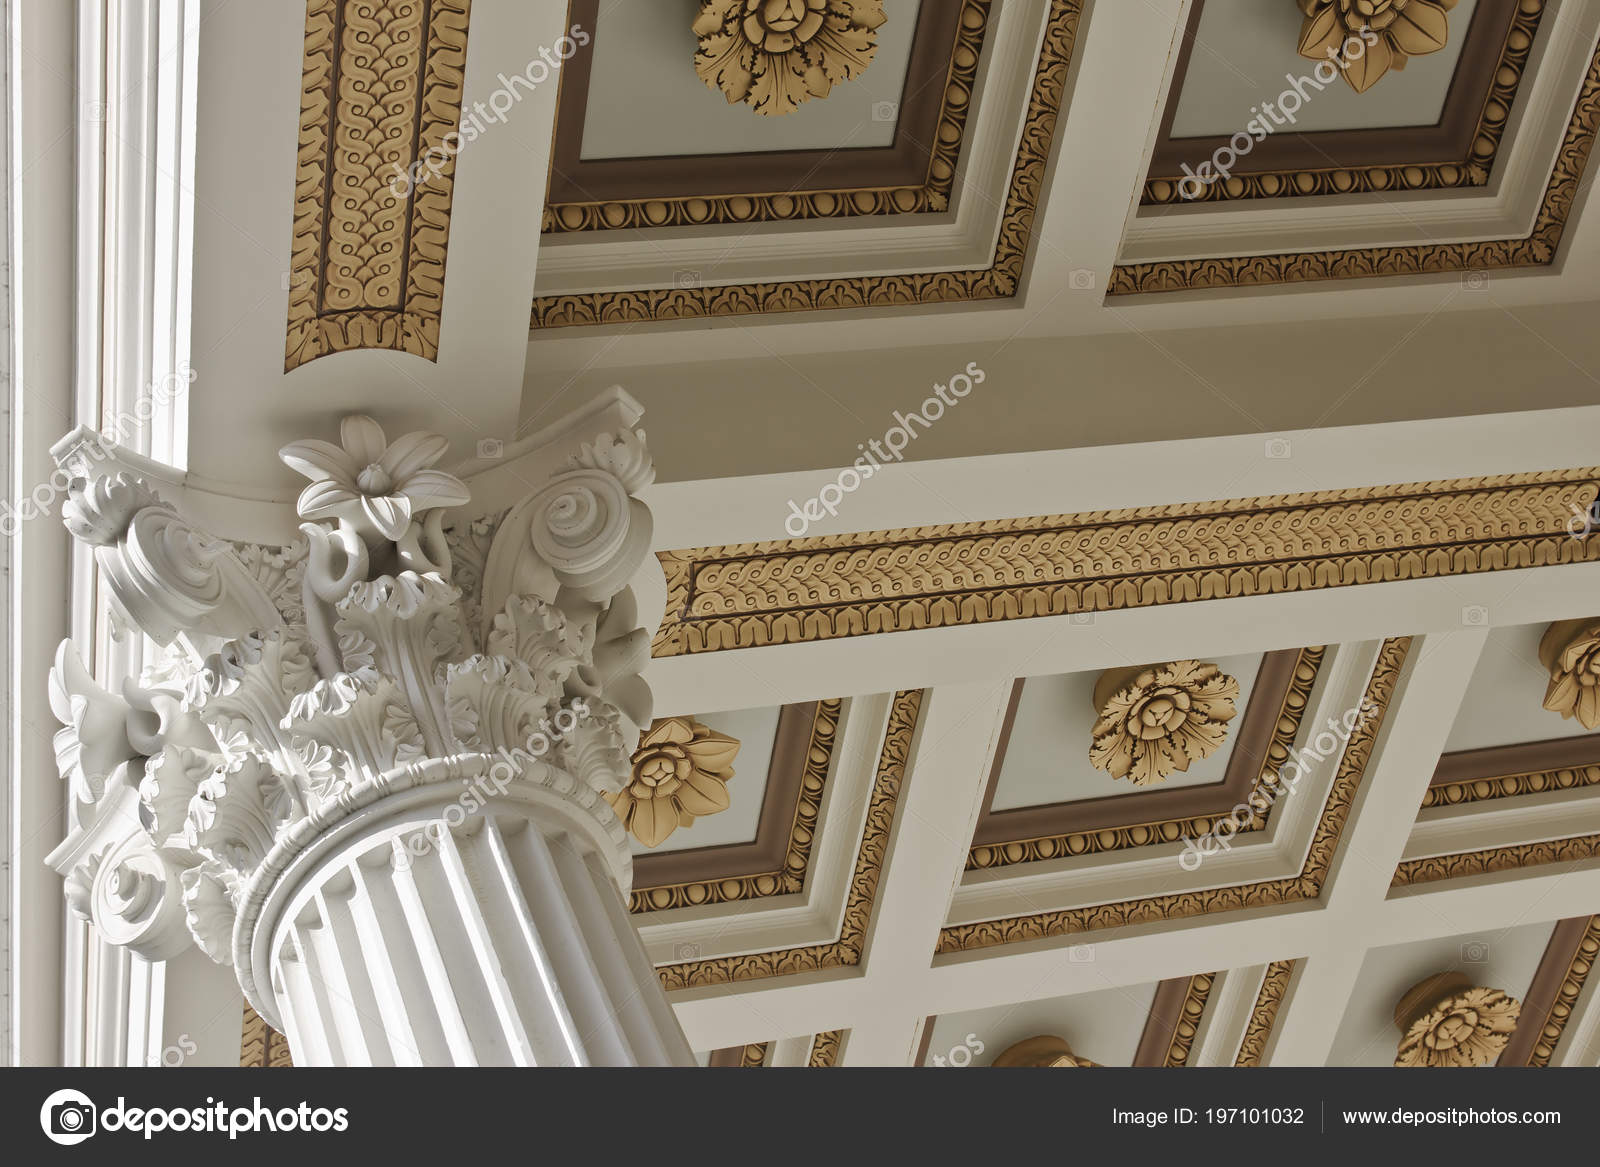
(1264, 1015)
(380, 89)
(813, 589)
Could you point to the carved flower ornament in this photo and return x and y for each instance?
(680, 773)
(1571, 651)
(370, 485)
(1160, 720)
(775, 54)
(1367, 38)
(1046, 1051)
(1447, 1021)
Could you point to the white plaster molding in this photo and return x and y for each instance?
(1503, 822)
(341, 694)
(41, 113)
(1504, 209)
(814, 915)
(963, 238)
(1276, 852)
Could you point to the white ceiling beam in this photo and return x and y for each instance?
(957, 735)
(244, 189)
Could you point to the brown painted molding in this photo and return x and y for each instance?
(1450, 140)
(891, 775)
(1541, 247)
(1540, 999)
(778, 805)
(628, 183)
(1509, 771)
(1521, 758)
(777, 862)
(996, 282)
(1146, 807)
(1164, 909)
(1174, 1019)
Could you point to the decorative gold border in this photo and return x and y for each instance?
(1511, 785)
(1537, 249)
(1493, 859)
(998, 281)
(802, 833)
(260, 1045)
(1182, 905)
(366, 267)
(1188, 1027)
(1264, 1015)
(1472, 170)
(1577, 973)
(700, 210)
(825, 1049)
(1154, 834)
(802, 590)
(847, 950)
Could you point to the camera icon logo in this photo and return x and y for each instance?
(68, 1117)
(1082, 279)
(1081, 954)
(1475, 616)
(490, 449)
(682, 952)
(1474, 281)
(683, 280)
(885, 111)
(1474, 952)
(1278, 448)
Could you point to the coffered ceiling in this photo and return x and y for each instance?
(997, 174)
(1322, 434)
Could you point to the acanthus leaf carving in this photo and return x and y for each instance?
(305, 682)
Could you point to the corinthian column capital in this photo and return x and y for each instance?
(337, 754)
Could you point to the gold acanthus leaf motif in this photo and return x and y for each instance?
(680, 773)
(1467, 1027)
(1571, 651)
(775, 54)
(1168, 716)
(1367, 38)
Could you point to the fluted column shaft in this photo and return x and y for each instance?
(504, 941)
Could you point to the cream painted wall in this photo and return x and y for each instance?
(759, 412)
